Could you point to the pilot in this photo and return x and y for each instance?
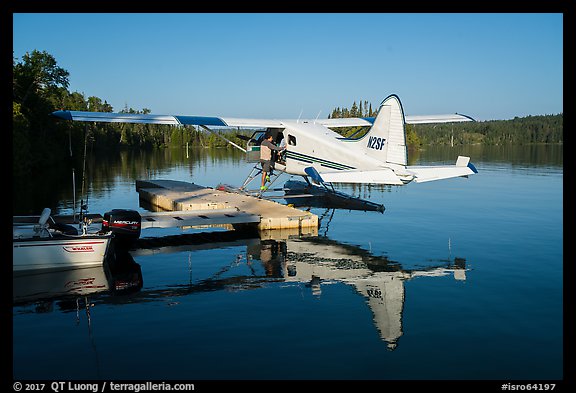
(266, 148)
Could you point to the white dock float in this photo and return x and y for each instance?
(198, 218)
(184, 197)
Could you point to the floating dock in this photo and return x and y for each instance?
(173, 195)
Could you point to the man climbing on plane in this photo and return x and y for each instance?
(266, 161)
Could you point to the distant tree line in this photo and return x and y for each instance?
(364, 109)
(40, 87)
(519, 131)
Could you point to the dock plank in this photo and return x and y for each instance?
(197, 218)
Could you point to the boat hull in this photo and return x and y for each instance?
(63, 252)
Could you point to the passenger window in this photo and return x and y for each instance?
(291, 140)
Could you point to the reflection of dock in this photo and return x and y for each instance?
(171, 195)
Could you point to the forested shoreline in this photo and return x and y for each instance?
(40, 87)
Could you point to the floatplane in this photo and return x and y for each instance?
(316, 152)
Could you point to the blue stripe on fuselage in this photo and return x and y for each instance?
(311, 160)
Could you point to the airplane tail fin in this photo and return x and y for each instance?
(386, 140)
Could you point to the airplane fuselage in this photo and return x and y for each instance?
(309, 144)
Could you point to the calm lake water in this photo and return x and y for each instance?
(459, 279)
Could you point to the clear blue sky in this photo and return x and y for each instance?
(489, 66)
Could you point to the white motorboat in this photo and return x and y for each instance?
(47, 245)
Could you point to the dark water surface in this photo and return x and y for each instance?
(459, 279)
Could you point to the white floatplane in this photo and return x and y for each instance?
(316, 152)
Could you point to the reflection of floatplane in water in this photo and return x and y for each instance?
(310, 261)
(378, 279)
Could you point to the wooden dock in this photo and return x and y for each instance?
(173, 195)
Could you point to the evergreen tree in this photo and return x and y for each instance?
(353, 110)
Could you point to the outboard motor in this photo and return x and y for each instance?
(124, 223)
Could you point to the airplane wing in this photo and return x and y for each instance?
(430, 119)
(175, 120)
(368, 121)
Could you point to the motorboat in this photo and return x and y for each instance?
(45, 244)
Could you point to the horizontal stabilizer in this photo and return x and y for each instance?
(462, 168)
